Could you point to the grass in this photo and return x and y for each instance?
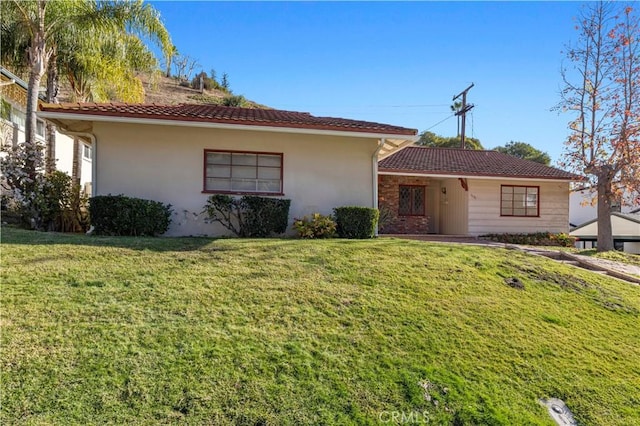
(618, 256)
(197, 331)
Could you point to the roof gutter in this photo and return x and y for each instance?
(246, 127)
(374, 174)
(462, 176)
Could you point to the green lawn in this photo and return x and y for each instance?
(102, 330)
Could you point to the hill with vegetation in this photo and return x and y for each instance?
(116, 330)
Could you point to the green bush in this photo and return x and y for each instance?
(122, 215)
(249, 216)
(356, 222)
(534, 239)
(317, 226)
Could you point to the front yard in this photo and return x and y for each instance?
(198, 331)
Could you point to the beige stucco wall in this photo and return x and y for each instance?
(165, 163)
(484, 208)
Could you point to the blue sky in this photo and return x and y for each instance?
(392, 62)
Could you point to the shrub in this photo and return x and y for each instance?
(534, 239)
(249, 216)
(356, 222)
(121, 215)
(318, 226)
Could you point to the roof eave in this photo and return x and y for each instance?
(60, 117)
(384, 171)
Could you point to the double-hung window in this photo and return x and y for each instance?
(411, 200)
(519, 201)
(239, 172)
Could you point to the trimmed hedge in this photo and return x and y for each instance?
(533, 239)
(356, 222)
(121, 215)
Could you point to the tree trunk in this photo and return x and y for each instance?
(75, 168)
(52, 97)
(38, 57)
(605, 236)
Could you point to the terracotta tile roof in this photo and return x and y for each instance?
(226, 115)
(467, 162)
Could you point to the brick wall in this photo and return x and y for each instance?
(388, 195)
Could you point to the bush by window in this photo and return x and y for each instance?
(121, 215)
(249, 216)
(356, 222)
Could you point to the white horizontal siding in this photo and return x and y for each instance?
(484, 208)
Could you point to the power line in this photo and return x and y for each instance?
(440, 122)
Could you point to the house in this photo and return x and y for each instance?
(13, 103)
(181, 154)
(583, 205)
(468, 192)
(625, 228)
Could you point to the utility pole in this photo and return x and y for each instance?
(463, 112)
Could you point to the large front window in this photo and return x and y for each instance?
(242, 172)
(519, 200)
(411, 200)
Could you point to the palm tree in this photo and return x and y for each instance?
(49, 28)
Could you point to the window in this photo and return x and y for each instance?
(40, 128)
(520, 201)
(86, 152)
(242, 172)
(18, 117)
(411, 200)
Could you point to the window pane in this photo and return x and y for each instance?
(507, 190)
(40, 128)
(247, 172)
(518, 199)
(218, 158)
(218, 184)
(244, 159)
(269, 185)
(269, 173)
(519, 189)
(404, 201)
(219, 171)
(418, 200)
(243, 184)
(506, 211)
(532, 190)
(508, 196)
(532, 212)
(269, 160)
(519, 211)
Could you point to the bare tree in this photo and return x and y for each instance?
(602, 90)
(185, 65)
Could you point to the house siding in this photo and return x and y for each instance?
(165, 163)
(484, 208)
(388, 202)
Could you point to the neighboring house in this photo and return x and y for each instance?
(181, 154)
(582, 210)
(13, 103)
(468, 192)
(625, 228)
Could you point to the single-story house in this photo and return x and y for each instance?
(583, 205)
(181, 154)
(471, 193)
(625, 228)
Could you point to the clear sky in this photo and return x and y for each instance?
(392, 62)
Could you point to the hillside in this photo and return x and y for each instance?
(108, 330)
(167, 91)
